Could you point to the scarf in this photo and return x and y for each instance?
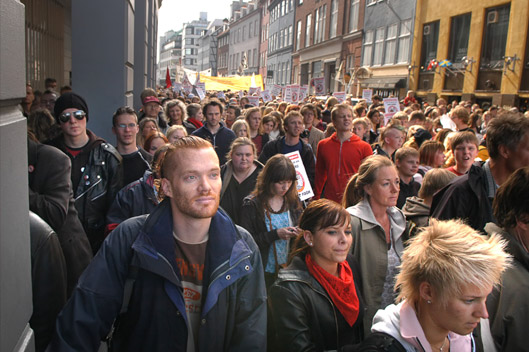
(341, 289)
(195, 122)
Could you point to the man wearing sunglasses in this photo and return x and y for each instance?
(96, 165)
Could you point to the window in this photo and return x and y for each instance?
(250, 27)
(495, 37)
(238, 35)
(307, 30)
(290, 35)
(459, 32)
(334, 18)
(298, 36)
(189, 41)
(255, 26)
(255, 64)
(379, 46)
(391, 42)
(368, 48)
(243, 33)
(189, 30)
(300, 2)
(371, 2)
(353, 15)
(319, 24)
(316, 69)
(430, 36)
(404, 42)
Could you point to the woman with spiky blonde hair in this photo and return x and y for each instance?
(447, 272)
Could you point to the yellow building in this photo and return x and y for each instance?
(471, 50)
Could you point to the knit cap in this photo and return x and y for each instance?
(70, 100)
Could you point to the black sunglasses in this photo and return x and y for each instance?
(65, 117)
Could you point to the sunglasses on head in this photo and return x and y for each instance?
(65, 117)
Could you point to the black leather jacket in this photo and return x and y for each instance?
(304, 315)
(101, 179)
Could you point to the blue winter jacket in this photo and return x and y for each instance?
(233, 303)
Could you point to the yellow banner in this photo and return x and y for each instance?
(232, 83)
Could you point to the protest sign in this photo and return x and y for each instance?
(287, 96)
(294, 88)
(367, 94)
(303, 183)
(319, 85)
(253, 100)
(254, 90)
(276, 90)
(201, 94)
(265, 94)
(303, 92)
(340, 96)
(391, 107)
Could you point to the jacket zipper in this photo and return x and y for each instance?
(340, 158)
(225, 271)
(95, 184)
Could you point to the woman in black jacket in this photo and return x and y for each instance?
(315, 302)
(271, 213)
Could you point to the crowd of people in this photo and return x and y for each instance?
(188, 233)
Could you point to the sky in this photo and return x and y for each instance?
(174, 13)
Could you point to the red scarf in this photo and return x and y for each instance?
(341, 289)
(195, 122)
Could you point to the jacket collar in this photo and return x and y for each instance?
(363, 211)
(513, 246)
(353, 138)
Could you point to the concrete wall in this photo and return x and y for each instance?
(114, 60)
(15, 261)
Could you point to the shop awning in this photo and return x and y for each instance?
(383, 82)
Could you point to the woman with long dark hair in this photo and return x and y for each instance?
(315, 303)
(271, 212)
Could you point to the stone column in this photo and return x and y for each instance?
(15, 258)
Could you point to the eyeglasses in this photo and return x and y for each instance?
(65, 117)
(125, 125)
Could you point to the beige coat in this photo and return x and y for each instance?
(370, 251)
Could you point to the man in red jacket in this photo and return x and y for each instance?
(339, 156)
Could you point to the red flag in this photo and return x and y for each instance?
(168, 83)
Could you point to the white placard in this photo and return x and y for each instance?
(201, 93)
(201, 85)
(276, 90)
(303, 92)
(303, 183)
(177, 87)
(367, 94)
(241, 94)
(265, 94)
(221, 95)
(287, 96)
(188, 88)
(340, 96)
(253, 100)
(319, 85)
(294, 88)
(391, 106)
(254, 90)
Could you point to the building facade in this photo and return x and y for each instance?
(223, 50)
(244, 40)
(319, 30)
(486, 44)
(170, 55)
(263, 46)
(280, 41)
(352, 46)
(191, 32)
(387, 45)
(207, 48)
